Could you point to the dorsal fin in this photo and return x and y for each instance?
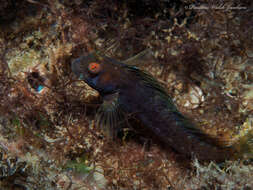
(140, 58)
(149, 81)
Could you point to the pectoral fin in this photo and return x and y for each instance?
(110, 117)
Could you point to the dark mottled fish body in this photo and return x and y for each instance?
(136, 92)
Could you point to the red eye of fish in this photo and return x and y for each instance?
(94, 67)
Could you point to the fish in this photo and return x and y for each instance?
(128, 90)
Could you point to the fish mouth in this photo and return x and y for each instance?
(75, 67)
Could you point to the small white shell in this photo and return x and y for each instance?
(193, 99)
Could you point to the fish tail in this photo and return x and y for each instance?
(193, 141)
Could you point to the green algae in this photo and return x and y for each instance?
(79, 167)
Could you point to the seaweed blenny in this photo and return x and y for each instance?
(126, 89)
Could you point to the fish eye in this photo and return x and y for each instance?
(94, 68)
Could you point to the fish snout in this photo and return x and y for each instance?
(75, 67)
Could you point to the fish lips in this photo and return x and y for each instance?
(76, 68)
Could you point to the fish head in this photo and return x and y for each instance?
(101, 73)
